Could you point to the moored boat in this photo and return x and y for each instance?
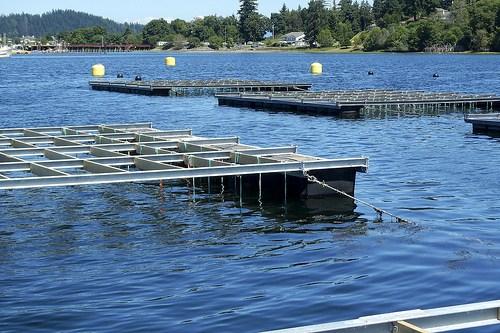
(5, 52)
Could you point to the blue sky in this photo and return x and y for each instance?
(143, 10)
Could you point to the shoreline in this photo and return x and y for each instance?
(261, 50)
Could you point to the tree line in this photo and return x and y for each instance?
(393, 25)
(57, 21)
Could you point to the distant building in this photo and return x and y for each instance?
(161, 43)
(29, 41)
(296, 38)
(443, 14)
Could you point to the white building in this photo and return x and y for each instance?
(296, 38)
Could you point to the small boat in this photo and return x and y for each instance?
(5, 52)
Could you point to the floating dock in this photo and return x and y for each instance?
(446, 319)
(194, 87)
(102, 154)
(484, 123)
(352, 102)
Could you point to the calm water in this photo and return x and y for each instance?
(133, 258)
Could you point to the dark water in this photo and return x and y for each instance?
(134, 258)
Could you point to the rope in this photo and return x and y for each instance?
(379, 211)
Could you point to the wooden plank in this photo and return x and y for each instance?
(405, 327)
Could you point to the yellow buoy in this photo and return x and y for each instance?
(170, 61)
(98, 70)
(316, 68)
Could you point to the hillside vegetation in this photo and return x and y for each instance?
(57, 21)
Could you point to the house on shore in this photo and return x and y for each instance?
(296, 38)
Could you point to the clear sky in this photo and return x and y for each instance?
(143, 10)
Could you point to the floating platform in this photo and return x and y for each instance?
(194, 87)
(484, 123)
(447, 319)
(351, 103)
(102, 154)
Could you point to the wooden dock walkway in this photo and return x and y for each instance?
(353, 102)
(488, 123)
(195, 87)
(102, 154)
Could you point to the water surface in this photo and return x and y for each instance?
(133, 258)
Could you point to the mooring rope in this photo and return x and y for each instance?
(379, 211)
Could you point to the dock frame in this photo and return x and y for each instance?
(353, 103)
(195, 87)
(445, 319)
(488, 123)
(118, 153)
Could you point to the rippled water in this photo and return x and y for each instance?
(134, 258)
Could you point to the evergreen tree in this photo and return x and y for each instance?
(278, 20)
(316, 20)
(365, 15)
(57, 21)
(248, 14)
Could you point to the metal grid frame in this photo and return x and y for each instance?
(367, 97)
(117, 153)
(197, 86)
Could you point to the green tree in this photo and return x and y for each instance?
(194, 42)
(425, 33)
(248, 18)
(295, 21)
(155, 31)
(365, 15)
(215, 42)
(344, 34)
(376, 39)
(316, 20)
(483, 15)
(179, 27)
(397, 39)
(495, 45)
(325, 38)
(387, 12)
(349, 13)
(278, 21)
(418, 8)
(460, 13)
(452, 35)
(481, 40)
